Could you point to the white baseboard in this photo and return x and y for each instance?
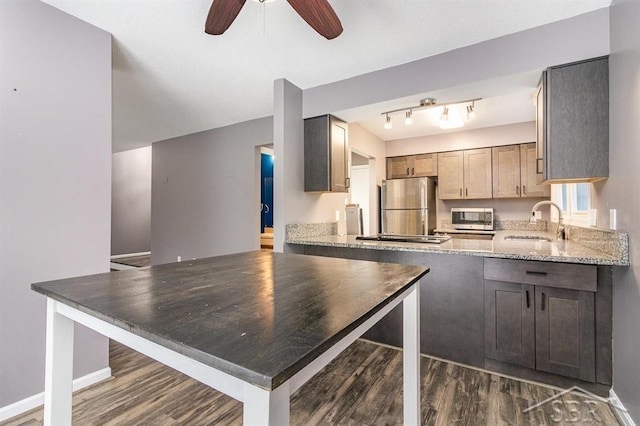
(121, 267)
(619, 410)
(120, 256)
(35, 401)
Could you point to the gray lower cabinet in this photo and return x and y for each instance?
(541, 315)
(529, 319)
(509, 323)
(565, 332)
(451, 303)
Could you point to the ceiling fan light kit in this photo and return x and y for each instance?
(317, 13)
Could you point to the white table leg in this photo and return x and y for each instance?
(411, 356)
(58, 383)
(262, 407)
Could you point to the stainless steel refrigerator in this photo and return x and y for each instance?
(408, 206)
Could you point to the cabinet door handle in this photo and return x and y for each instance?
(408, 171)
(542, 302)
(535, 273)
(412, 171)
(460, 192)
(347, 182)
(524, 190)
(466, 192)
(538, 167)
(517, 190)
(527, 296)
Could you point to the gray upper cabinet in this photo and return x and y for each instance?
(573, 122)
(326, 154)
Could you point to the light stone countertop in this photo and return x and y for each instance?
(554, 251)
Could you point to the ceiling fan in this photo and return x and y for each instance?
(317, 13)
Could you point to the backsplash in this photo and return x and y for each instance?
(306, 230)
(603, 240)
(507, 225)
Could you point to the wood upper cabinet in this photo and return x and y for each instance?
(425, 165)
(450, 175)
(528, 176)
(398, 167)
(408, 166)
(465, 174)
(477, 173)
(573, 121)
(541, 315)
(514, 173)
(326, 155)
(506, 171)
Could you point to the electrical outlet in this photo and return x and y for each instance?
(613, 219)
(179, 259)
(593, 217)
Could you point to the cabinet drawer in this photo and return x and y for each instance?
(560, 275)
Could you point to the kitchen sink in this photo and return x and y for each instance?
(527, 238)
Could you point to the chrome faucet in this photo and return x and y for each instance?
(560, 234)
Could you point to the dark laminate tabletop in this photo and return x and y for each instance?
(259, 316)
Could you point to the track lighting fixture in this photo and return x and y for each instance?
(449, 119)
(408, 119)
(387, 124)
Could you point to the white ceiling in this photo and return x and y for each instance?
(172, 79)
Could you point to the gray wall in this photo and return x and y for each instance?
(581, 37)
(55, 174)
(620, 191)
(131, 201)
(205, 197)
(577, 38)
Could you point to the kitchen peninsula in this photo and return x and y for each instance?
(535, 308)
(255, 326)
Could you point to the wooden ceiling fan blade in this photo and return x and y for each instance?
(221, 15)
(319, 15)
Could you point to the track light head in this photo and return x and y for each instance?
(445, 114)
(471, 114)
(387, 124)
(408, 119)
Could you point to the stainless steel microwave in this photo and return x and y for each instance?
(472, 218)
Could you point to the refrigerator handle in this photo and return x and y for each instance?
(424, 221)
(423, 189)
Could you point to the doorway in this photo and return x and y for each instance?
(363, 190)
(266, 198)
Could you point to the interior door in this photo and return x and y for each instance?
(266, 191)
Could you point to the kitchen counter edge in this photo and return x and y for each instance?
(497, 248)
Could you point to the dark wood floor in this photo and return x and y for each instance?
(363, 386)
(135, 261)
